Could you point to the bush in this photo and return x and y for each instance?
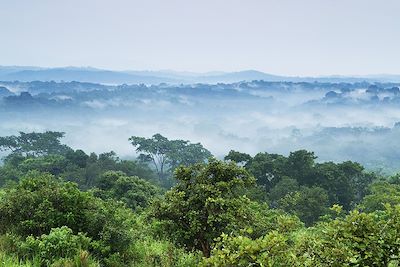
(40, 203)
(60, 243)
(240, 251)
(150, 252)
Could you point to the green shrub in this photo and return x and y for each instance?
(60, 243)
(39, 202)
(240, 251)
(150, 252)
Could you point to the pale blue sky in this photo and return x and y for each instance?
(298, 37)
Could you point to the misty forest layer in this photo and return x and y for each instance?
(338, 121)
(177, 205)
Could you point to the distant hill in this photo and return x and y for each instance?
(93, 75)
(77, 74)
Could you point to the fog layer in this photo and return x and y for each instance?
(339, 121)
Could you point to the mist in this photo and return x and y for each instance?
(338, 121)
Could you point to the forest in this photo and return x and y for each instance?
(199, 133)
(285, 116)
(176, 204)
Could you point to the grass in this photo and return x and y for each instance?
(81, 260)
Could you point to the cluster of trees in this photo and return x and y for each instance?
(62, 207)
(300, 185)
(44, 152)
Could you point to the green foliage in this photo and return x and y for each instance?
(270, 250)
(345, 183)
(308, 203)
(53, 164)
(75, 166)
(284, 187)
(359, 239)
(34, 144)
(218, 213)
(238, 157)
(337, 182)
(262, 220)
(60, 243)
(82, 259)
(39, 203)
(381, 193)
(77, 157)
(150, 252)
(204, 203)
(136, 193)
(166, 155)
(7, 260)
(9, 174)
(266, 168)
(300, 166)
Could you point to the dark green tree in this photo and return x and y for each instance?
(300, 166)
(204, 203)
(308, 203)
(267, 169)
(34, 144)
(238, 157)
(166, 155)
(136, 193)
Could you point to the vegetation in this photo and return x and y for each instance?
(63, 207)
(166, 155)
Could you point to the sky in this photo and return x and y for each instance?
(286, 37)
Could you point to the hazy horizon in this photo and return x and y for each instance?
(208, 72)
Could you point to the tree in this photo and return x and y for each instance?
(267, 169)
(34, 144)
(381, 193)
(308, 203)
(238, 157)
(300, 165)
(53, 164)
(136, 193)
(136, 168)
(166, 155)
(359, 179)
(285, 186)
(204, 203)
(39, 203)
(337, 182)
(77, 157)
(358, 239)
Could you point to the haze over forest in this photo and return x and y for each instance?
(340, 118)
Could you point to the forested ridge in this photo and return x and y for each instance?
(178, 205)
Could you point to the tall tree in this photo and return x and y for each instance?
(166, 155)
(34, 144)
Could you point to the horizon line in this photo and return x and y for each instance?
(89, 67)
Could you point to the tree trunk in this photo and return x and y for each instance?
(205, 248)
